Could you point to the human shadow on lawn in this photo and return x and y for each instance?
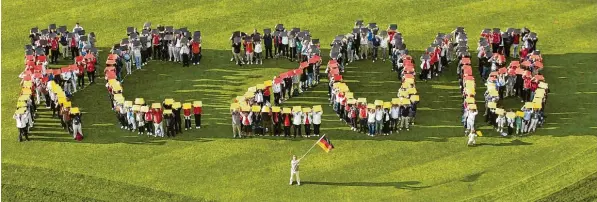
(398, 185)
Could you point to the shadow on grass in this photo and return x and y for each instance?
(516, 142)
(472, 177)
(398, 185)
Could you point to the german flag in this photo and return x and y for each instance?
(325, 144)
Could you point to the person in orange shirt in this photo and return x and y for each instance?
(249, 52)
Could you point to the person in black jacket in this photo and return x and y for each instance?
(177, 120)
(267, 40)
(170, 123)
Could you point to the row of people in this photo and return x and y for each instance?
(294, 45)
(56, 41)
(273, 120)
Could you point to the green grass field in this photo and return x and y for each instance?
(429, 163)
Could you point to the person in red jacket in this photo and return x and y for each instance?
(363, 117)
(81, 74)
(155, 39)
(157, 122)
(90, 71)
(496, 39)
(187, 118)
(196, 51)
(197, 112)
(149, 122)
(287, 119)
(276, 120)
(54, 48)
(266, 95)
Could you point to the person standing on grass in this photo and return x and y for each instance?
(404, 119)
(187, 118)
(297, 121)
(379, 114)
(267, 41)
(196, 50)
(149, 121)
(470, 120)
(236, 51)
(362, 117)
(77, 129)
(197, 110)
(294, 170)
(258, 50)
(287, 123)
(316, 122)
(140, 122)
(472, 138)
(184, 52)
(236, 123)
(247, 121)
(371, 121)
(157, 123)
(21, 119)
(307, 121)
(170, 125)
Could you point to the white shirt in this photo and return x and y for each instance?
(285, 40)
(258, 48)
(184, 50)
(371, 117)
(294, 166)
(384, 42)
(471, 116)
(378, 114)
(178, 45)
(277, 87)
(395, 112)
(296, 119)
(308, 115)
(21, 120)
(317, 117)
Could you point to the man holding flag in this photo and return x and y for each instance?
(323, 142)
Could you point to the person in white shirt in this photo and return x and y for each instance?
(184, 52)
(284, 49)
(378, 120)
(21, 120)
(296, 122)
(258, 50)
(177, 46)
(137, 55)
(294, 170)
(384, 48)
(501, 122)
(316, 122)
(395, 115)
(77, 27)
(472, 138)
(371, 121)
(277, 88)
(470, 120)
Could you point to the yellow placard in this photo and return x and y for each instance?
(317, 108)
(256, 108)
(249, 95)
(246, 108)
(169, 101)
(378, 102)
(20, 111)
(197, 104)
(27, 91)
(528, 105)
(403, 94)
(472, 106)
(234, 106)
(370, 106)
(510, 115)
(21, 104)
(470, 100)
(296, 109)
(75, 110)
(404, 101)
(491, 105)
(67, 104)
(414, 98)
(24, 97)
(136, 107)
(139, 101)
(387, 105)
(351, 101)
(409, 80)
(286, 110)
(144, 109)
(128, 103)
(167, 111)
(499, 111)
(520, 113)
(252, 89)
(362, 100)
(349, 95)
(493, 93)
(176, 105)
(396, 101)
(412, 91)
(479, 133)
(306, 110)
(276, 109)
(537, 105)
(187, 105)
(543, 85)
(267, 83)
(156, 105)
(265, 109)
(260, 86)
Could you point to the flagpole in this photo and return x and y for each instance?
(311, 147)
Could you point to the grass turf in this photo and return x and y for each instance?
(429, 163)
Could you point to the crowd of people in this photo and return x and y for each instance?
(147, 119)
(293, 44)
(162, 43)
(379, 117)
(522, 77)
(54, 87)
(256, 113)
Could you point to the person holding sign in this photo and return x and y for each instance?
(317, 112)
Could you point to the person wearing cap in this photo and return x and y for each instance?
(21, 120)
(236, 124)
